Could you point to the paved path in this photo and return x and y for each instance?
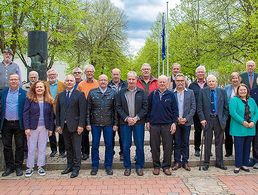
(215, 181)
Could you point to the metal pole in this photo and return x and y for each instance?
(159, 40)
(167, 37)
(163, 67)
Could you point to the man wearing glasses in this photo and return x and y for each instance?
(77, 73)
(85, 86)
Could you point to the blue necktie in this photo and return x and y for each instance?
(213, 109)
(67, 97)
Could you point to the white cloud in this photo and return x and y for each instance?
(141, 16)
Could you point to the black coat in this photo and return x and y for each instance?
(101, 109)
(73, 113)
(141, 105)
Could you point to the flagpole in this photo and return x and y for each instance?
(167, 37)
(159, 40)
(163, 47)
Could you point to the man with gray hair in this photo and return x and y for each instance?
(8, 67)
(146, 81)
(176, 68)
(132, 105)
(250, 78)
(70, 121)
(85, 86)
(212, 109)
(55, 87)
(196, 86)
(77, 73)
(162, 118)
(33, 77)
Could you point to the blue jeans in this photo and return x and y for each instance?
(242, 150)
(108, 139)
(138, 137)
(182, 134)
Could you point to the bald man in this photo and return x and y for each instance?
(101, 115)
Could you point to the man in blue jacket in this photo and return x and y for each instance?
(162, 118)
(11, 124)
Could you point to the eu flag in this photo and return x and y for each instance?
(163, 36)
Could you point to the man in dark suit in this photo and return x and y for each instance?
(250, 77)
(70, 121)
(11, 124)
(176, 68)
(186, 107)
(213, 113)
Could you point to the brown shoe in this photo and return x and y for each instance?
(176, 166)
(167, 171)
(127, 172)
(156, 171)
(186, 167)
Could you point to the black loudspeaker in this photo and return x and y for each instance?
(37, 44)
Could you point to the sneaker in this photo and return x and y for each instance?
(28, 172)
(255, 166)
(41, 171)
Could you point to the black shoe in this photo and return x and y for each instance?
(7, 172)
(205, 167)
(197, 153)
(139, 172)
(223, 167)
(85, 156)
(245, 169)
(67, 170)
(94, 171)
(228, 155)
(19, 171)
(109, 171)
(62, 154)
(211, 154)
(53, 153)
(127, 172)
(74, 174)
(236, 170)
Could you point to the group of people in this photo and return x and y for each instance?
(167, 107)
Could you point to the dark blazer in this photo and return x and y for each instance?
(254, 94)
(245, 79)
(31, 114)
(204, 101)
(189, 106)
(21, 101)
(141, 105)
(73, 113)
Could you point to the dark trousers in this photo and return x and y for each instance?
(120, 141)
(181, 153)
(138, 136)
(160, 133)
(53, 142)
(255, 145)
(228, 138)
(11, 129)
(73, 148)
(242, 150)
(85, 145)
(214, 125)
(197, 132)
(108, 139)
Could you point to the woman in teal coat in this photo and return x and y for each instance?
(244, 115)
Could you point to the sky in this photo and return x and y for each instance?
(141, 15)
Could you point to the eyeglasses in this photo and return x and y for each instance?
(180, 81)
(77, 73)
